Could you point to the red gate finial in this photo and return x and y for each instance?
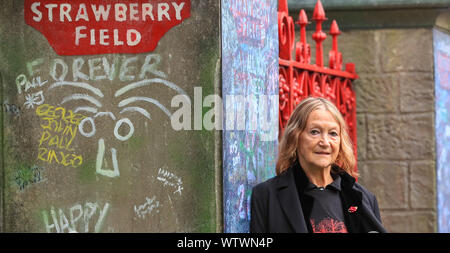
(335, 56)
(282, 6)
(319, 36)
(302, 49)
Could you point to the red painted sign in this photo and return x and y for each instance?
(83, 27)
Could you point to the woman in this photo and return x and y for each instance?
(315, 189)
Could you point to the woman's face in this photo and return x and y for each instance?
(319, 143)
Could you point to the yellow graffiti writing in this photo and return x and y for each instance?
(59, 128)
(53, 112)
(60, 141)
(52, 156)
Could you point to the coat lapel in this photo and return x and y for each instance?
(289, 201)
(351, 203)
(376, 225)
(361, 220)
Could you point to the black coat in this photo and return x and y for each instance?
(277, 208)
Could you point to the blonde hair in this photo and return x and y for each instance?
(287, 153)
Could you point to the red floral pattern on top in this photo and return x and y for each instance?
(329, 225)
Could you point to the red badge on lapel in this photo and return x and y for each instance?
(352, 209)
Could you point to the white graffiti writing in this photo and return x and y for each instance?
(170, 179)
(78, 220)
(34, 99)
(147, 207)
(22, 82)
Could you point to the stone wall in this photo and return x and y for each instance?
(395, 114)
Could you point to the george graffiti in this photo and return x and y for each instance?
(168, 179)
(148, 207)
(28, 176)
(78, 218)
(59, 129)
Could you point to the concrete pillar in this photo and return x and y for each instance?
(250, 92)
(113, 123)
(115, 161)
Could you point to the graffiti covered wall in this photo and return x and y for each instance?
(250, 93)
(441, 43)
(89, 143)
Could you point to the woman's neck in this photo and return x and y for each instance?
(320, 177)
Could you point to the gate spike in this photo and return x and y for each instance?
(302, 18)
(282, 6)
(334, 30)
(302, 49)
(335, 61)
(319, 13)
(319, 36)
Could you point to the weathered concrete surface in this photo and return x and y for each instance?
(168, 179)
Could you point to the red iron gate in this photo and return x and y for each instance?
(298, 78)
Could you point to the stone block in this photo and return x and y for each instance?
(417, 92)
(388, 181)
(406, 50)
(358, 47)
(375, 93)
(397, 137)
(409, 222)
(423, 184)
(361, 136)
(359, 165)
